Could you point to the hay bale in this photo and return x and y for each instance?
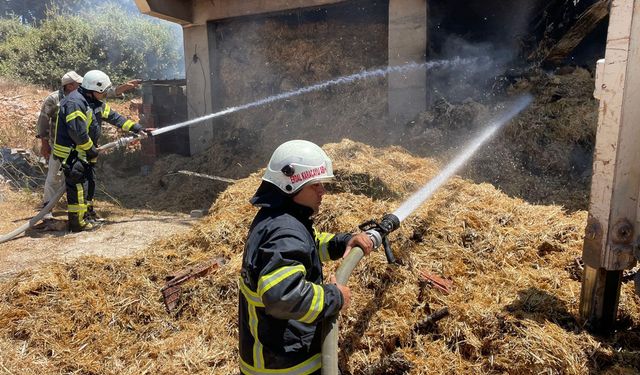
(513, 303)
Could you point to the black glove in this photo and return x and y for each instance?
(75, 172)
(92, 153)
(136, 128)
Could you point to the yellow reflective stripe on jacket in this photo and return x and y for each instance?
(253, 301)
(128, 125)
(61, 151)
(252, 297)
(107, 110)
(76, 114)
(305, 368)
(317, 305)
(322, 240)
(270, 280)
(258, 354)
(89, 118)
(87, 145)
(82, 155)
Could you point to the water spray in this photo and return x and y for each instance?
(320, 86)
(378, 232)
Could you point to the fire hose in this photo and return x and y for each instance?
(49, 206)
(378, 231)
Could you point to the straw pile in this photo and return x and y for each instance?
(513, 303)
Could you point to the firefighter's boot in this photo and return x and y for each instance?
(77, 223)
(92, 217)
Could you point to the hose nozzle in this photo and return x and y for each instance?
(378, 233)
(389, 223)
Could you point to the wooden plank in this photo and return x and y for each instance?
(616, 178)
(585, 24)
(613, 224)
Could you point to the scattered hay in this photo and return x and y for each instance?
(513, 304)
(543, 156)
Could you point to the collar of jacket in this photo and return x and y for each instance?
(90, 99)
(269, 196)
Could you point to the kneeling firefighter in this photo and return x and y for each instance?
(77, 132)
(283, 301)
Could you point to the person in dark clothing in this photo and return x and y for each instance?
(283, 301)
(76, 135)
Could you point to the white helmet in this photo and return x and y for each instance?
(96, 80)
(296, 163)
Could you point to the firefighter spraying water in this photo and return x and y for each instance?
(378, 232)
(317, 87)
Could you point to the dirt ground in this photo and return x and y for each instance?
(124, 232)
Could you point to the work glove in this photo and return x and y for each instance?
(75, 172)
(137, 129)
(92, 154)
(45, 148)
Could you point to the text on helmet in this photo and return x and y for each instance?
(308, 174)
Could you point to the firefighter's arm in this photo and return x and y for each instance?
(76, 122)
(48, 111)
(118, 91)
(122, 122)
(283, 288)
(332, 247)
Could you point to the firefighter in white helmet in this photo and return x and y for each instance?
(77, 133)
(70, 81)
(283, 301)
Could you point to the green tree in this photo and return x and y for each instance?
(107, 37)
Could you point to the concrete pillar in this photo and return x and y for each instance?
(199, 76)
(407, 43)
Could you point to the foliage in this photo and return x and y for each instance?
(133, 46)
(36, 10)
(10, 28)
(109, 38)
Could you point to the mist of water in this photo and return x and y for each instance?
(415, 200)
(323, 85)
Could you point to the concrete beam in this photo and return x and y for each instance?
(407, 43)
(198, 70)
(198, 12)
(178, 11)
(614, 223)
(206, 10)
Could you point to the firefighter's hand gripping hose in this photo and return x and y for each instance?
(47, 208)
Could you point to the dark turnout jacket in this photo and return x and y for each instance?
(282, 301)
(79, 124)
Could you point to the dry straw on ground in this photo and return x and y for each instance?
(513, 303)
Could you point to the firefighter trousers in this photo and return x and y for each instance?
(80, 184)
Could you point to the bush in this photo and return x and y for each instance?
(133, 46)
(106, 38)
(11, 28)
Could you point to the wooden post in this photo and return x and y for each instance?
(613, 223)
